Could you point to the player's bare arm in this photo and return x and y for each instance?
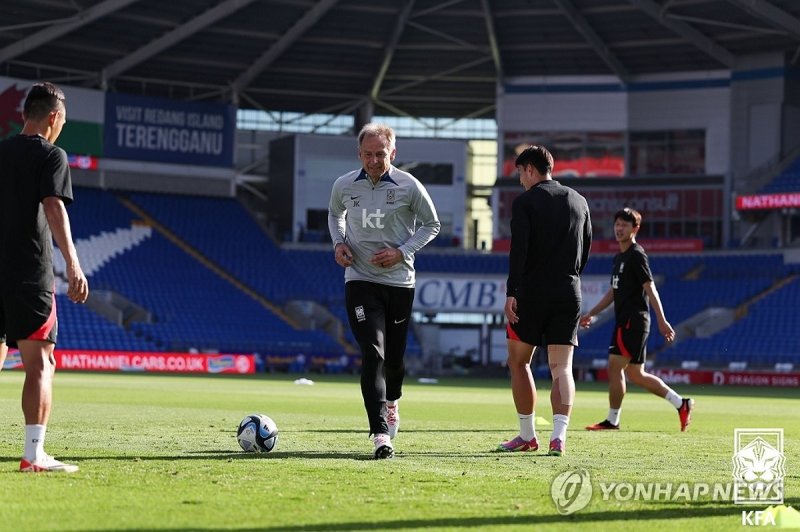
(57, 219)
(605, 301)
(664, 326)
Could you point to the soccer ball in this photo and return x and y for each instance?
(257, 433)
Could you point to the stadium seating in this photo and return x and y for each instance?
(690, 284)
(222, 230)
(475, 263)
(786, 181)
(95, 218)
(195, 308)
(81, 328)
(251, 256)
(766, 336)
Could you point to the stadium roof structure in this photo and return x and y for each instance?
(422, 58)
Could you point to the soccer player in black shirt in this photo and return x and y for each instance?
(633, 292)
(551, 233)
(35, 186)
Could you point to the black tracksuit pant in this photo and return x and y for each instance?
(379, 317)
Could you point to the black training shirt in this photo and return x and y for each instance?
(31, 169)
(551, 233)
(631, 272)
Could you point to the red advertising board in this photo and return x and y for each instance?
(654, 245)
(143, 361)
(768, 201)
(663, 245)
(722, 377)
(653, 203)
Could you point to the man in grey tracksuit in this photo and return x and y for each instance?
(379, 216)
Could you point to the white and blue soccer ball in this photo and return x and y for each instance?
(257, 433)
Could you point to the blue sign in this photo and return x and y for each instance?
(169, 131)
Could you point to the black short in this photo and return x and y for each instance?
(543, 324)
(629, 342)
(28, 316)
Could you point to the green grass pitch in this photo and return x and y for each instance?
(159, 452)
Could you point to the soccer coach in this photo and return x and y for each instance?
(379, 217)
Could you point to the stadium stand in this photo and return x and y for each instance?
(228, 236)
(95, 222)
(195, 307)
(223, 231)
(445, 262)
(695, 283)
(764, 337)
(81, 328)
(786, 181)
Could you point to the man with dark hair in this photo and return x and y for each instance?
(35, 186)
(379, 217)
(551, 234)
(632, 292)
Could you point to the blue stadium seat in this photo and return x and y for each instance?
(786, 181)
(195, 308)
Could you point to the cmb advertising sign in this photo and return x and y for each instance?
(484, 294)
(169, 131)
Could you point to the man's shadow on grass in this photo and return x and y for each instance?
(404, 431)
(229, 455)
(224, 455)
(678, 510)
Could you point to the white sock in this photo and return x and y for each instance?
(391, 403)
(613, 415)
(675, 399)
(34, 441)
(560, 423)
(527, 428)
(381, 440)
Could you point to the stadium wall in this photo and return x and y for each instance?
(749, 113)
(757, 93)
(562, 103)
(600, 103)
(673, 102)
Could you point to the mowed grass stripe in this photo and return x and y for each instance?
(159, 452)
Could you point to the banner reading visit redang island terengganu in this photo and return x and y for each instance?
(169, 131)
